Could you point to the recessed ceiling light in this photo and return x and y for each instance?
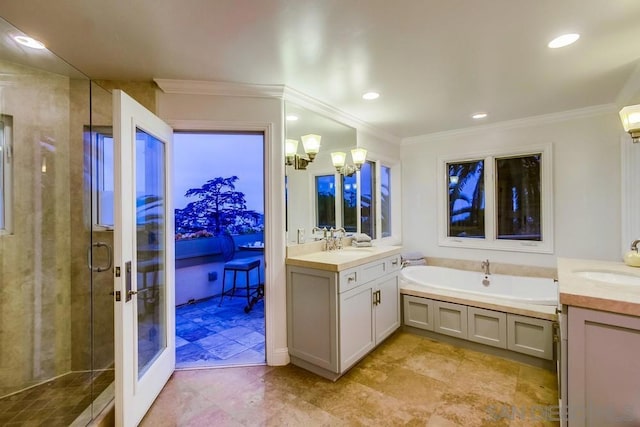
(292, 117)
(29, 42)
(479, 116)
(563, 40)
(369, 96)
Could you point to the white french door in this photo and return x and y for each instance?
(144, 258)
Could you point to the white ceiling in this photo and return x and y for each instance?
(435, 62)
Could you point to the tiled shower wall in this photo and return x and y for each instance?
(35, 320)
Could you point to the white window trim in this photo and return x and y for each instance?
(490, 242)
(7, 169)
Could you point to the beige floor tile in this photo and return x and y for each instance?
(408, 380)
(470, 410)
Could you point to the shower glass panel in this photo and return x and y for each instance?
(56, 316)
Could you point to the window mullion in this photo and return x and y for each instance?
(490, 199)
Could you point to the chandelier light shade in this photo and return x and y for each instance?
(630, 117)
(338, 158)
(359, 155)
(311, 144)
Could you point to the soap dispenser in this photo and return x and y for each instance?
(632, 258)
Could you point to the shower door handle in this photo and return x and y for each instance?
(109, 257)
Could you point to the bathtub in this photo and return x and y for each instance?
(516, 289)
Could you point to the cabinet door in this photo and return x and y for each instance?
(387, 309)
(450, 319)
(312, 329)
(530, 336)
(604, 373)
(418, 312)
(356, 325)
(487, 327)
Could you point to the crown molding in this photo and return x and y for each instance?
(561, 116)
(202, 87)
(310, 103)
(286, 93)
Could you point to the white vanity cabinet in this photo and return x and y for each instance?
(603, 369)
(335, 318)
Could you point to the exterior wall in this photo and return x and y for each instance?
(586, 186)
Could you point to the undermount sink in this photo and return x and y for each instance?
(614, 277)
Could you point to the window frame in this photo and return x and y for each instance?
(6, 158)
(490, 241)
(96, 135)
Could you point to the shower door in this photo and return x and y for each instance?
(144, 259)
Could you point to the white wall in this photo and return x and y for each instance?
(188, 111)
(586, 185)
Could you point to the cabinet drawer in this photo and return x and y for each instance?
(374, 270)
(349, 279)
(394, 263)
(487, 327)
(450, 319)
(418, 312)
(530, 336)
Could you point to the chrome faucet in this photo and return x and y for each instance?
(634, 245)
(325, 233)
(485, 266)
(337, 241)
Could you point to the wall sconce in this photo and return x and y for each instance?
(630, 117)
(339, 158)
(311, 145)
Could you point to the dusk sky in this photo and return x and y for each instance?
(199, 157)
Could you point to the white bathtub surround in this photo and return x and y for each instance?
(529, 290)
(510, 291)
(509, 316)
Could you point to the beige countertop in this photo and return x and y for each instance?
(579, 291)
(342, 259)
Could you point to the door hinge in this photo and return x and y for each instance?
(117, 271)
(117, 295)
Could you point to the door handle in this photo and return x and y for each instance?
(90, 257)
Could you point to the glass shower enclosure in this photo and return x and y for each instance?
(56, 307)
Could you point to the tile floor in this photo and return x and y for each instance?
(58, 402)
(212, 335)
(408, 380)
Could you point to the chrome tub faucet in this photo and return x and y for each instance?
(486, 267)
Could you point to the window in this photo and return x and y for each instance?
(499, 201)
(326, 200)
(385, 201)
(466, 199)
(367, 199)
(103, 176)
(6, 154)
(350, 203)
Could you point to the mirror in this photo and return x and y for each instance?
(301, 183)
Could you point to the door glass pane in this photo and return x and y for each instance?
(350, 203)
(326, 200)
(518, 198)
(150, 228)
(466, 199)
